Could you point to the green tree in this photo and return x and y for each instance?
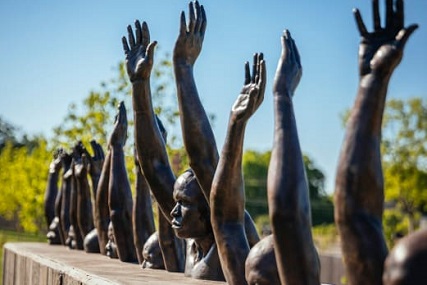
(404, 151)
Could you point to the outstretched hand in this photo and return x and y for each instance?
(97, 160)
(381, 50)
(190, 40)
(139, 52)
(80, 162)
(252, 93)
(56, 163)
(289, 69)
(119, 134)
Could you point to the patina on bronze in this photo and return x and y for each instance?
(119, 193)
(287, 187)
(227, 197)
(359, 186)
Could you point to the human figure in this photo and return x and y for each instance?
(287, 187)
(119, 193)
(359, 186)
(191, 211)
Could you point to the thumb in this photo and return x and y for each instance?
(404, 34)
(150, 50)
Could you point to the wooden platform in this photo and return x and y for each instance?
(42, 264)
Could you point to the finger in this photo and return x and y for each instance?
(376, 15)
(101, 154)
(285, 47)
(400, 12)
(263, 77)
(404, 34)
(138, 32)
(389, 20)
(297, 57)
(192, 23)
(94, 147)
(204, 21)
(198, 17)
(122, 113)
(125, 45)
(289, 46)
(359, 21)
(260, 58)
(145, 35)
(254, 64)
(130, 37)
(150, 50)
(247, 73)
(262, 81)
(183, 25)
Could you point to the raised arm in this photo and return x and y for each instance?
(119, 193)
(228, 196)
(197, 133)
(52, 187)
(84, 203)
(287, 187)
(359, 189)
(142, 215)
(150, 146)
(102, 211)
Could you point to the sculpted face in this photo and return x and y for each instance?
(111, 248)
(152, 254)
(191, 212)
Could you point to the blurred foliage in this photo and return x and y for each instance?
(404, 149)
(23, 177)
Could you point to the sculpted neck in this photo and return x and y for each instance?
(204, 244)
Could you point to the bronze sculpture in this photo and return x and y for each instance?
(142, 212)
(287, 187)
(51, 200)
(202, 258)
(119, 194)
(227, 195)
(102, 211)
(359, 186)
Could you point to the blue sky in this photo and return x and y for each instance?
(53, 53)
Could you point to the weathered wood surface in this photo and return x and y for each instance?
(43, 264)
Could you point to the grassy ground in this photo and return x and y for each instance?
(10, 236)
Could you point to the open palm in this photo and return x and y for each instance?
(139, 52)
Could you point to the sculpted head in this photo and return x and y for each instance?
(191, 216)
(406, 263)
(260, 266)
(152, 254)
